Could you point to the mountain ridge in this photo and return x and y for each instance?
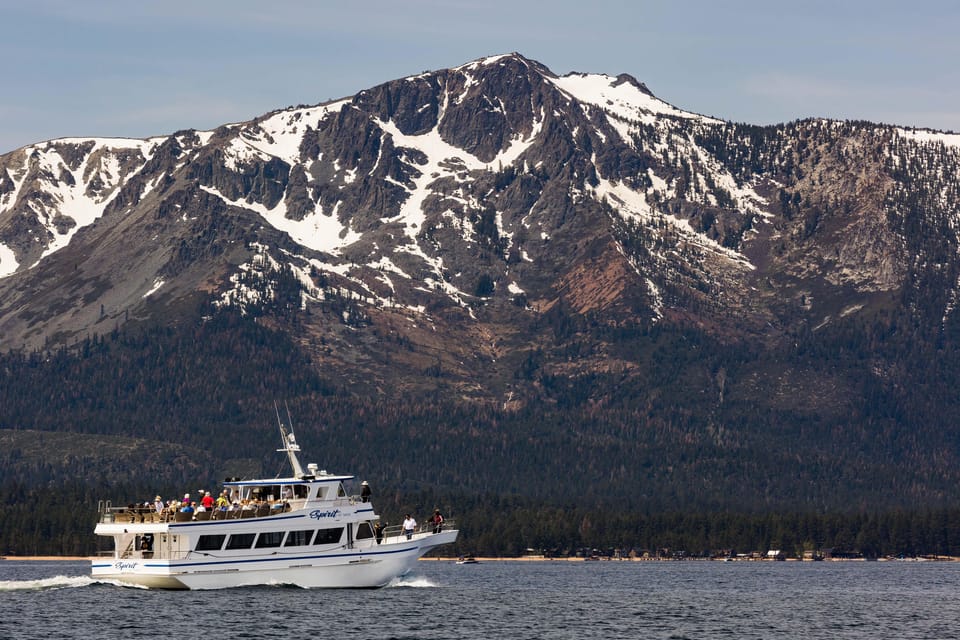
(269, 146)
(713, 299)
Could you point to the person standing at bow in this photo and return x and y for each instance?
(409, 526)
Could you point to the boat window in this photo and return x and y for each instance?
(145, 542)
(241, 541)
(328, 536)
(269, 539)
(298, 538)
(210, 543)
(276, 492)
(364, 530)
(341, 492)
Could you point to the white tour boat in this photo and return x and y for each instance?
(304, 531)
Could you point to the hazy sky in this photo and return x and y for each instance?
(137, 69)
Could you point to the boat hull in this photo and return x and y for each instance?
(303, 530)
(367, 568)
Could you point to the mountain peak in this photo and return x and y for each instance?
(505, 59)
(626, 78)
(450, 192)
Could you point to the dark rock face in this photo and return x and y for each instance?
(484, 201)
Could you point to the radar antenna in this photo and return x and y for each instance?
(290, 446)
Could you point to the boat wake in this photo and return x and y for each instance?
(57, 582)
(73, 582)
(47, 584)
(414, 582)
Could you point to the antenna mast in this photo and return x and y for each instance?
(290, 446)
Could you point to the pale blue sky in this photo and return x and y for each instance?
(137, 69)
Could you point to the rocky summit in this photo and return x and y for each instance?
(495, 279)
(489, 224)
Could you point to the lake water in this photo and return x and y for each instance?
(510, 600)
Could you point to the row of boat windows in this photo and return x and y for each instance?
(275, 492)
(269, 539)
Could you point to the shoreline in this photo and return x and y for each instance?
(590, 560)
(46, 558)
(545, 559)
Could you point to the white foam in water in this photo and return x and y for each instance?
(416, 582)
(70, 582)
(56, 582)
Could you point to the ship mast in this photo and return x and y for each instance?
(290, 446)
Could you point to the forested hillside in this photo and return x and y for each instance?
(701, 428)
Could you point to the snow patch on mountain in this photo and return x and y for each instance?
(317, 231)
(71, 201)
(279, 135)
(75, 192)
(144, 145)
(473, 65)
(156, 287)
(239, 152)
(928, 136)
(440, 152)
(17, 178)
(623, 99)
(632, 205)
(8, 261)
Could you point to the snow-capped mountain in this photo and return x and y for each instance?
(451, 221)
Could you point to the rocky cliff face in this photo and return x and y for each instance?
(467, 222)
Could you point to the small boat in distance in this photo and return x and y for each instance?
(467, 560)
(303, 530)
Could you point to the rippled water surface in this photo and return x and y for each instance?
(512, 600)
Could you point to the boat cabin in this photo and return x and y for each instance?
(294, 491)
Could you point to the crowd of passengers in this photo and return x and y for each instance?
(225, 502)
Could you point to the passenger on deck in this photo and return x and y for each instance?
(409, 525)
(207, 501)
(158, 505)
(437, 520)
(365, 491)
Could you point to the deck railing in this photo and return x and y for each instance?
(149, 515)
(395, 533)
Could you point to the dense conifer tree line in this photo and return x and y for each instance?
(59, 521)
(656, 462)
